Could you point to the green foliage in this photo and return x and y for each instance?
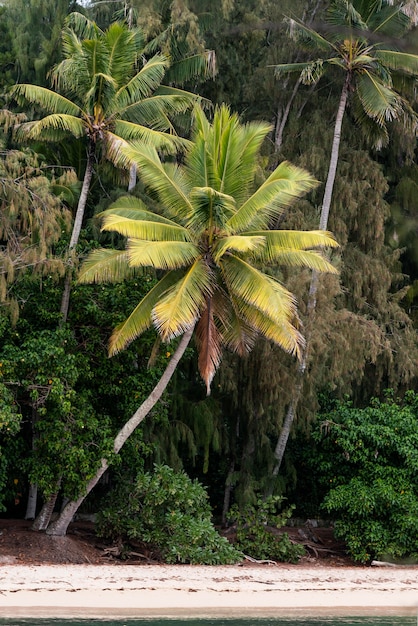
(257, 531)
(370, 458)
(171, 513)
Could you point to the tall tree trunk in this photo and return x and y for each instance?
(313, 289)
(32, 501)
(44, 516)
(78, 222)
(60, 526)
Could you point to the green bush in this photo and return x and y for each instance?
(373, 496)
(169, 512)
(256, 531)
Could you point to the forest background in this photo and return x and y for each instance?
(352, 453)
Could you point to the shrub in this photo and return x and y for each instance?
(256, 531)
(374, 493)
(169, 512)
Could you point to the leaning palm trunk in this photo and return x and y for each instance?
(78, 222)
(44, 516)
(313, 289)
(59, 527)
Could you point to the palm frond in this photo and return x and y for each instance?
(398, 61)
(211, 209)
(165, 179)
(152, 230)
(389, 19)
(308, 38)
(209, 345)
(161, 254)
(262, 292)
(104, 265)
(238, 243)
(51, 127)
(122, 46)
(141, 317)
(201, 65)
(149, 137)
(305, 258)
(281, 188)
(380, 102)
(144, 83)
(278, 241)
(156, 110)
(281, 332)
(181, 306)
(82, 26)
(45, 98)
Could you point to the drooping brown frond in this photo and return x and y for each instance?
(208, 341)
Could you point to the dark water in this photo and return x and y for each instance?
(290, 621)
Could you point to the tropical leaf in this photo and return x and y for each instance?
(380, 102)
(103, 266)
(45, 98)
(398, 61)
(257, 289)
(144, 82)
(141, 317)
(181, 306)
(281, 188)
(52, 127)
(238, 243)
(161, 254)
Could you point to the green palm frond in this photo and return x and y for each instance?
(83, 27)
(45, 98)
(209, 344)
(201, 65)
(308, 38)
(398, 61)
(390, 19)
(155, 110)
(238, 243)
(281, 188)
(289, 68)
(161, 254)
(380, 103)
(210, 209)
(144, 83)
(103, 266)
(181, 306)
(122, 46)
(149, 137)
(258, 290)
(165, 179)
(141, 317)
(51, 127)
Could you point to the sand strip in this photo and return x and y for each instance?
(196, 591)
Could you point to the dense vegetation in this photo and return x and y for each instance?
(98, 102)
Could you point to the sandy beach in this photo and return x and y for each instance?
(196, 591)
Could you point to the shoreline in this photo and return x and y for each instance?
(137, 591)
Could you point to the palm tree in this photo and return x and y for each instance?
(208, 239)
(111, 96)
(359, 43)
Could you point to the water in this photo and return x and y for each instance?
(285, 621)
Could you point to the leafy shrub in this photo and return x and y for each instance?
(169, 512)
(374, 490)
(256, 531)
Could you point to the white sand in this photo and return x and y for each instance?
(161, 590)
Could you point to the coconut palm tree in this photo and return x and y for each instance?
(210, 239)
(111, 95)
(358, 42)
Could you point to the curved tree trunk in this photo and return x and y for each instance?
(313, 289)
(78, 222)
(59, 527)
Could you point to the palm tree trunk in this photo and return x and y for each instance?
(44, 516)
(313, 289)
(32, 501)
(60, 526)
(78, 222)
